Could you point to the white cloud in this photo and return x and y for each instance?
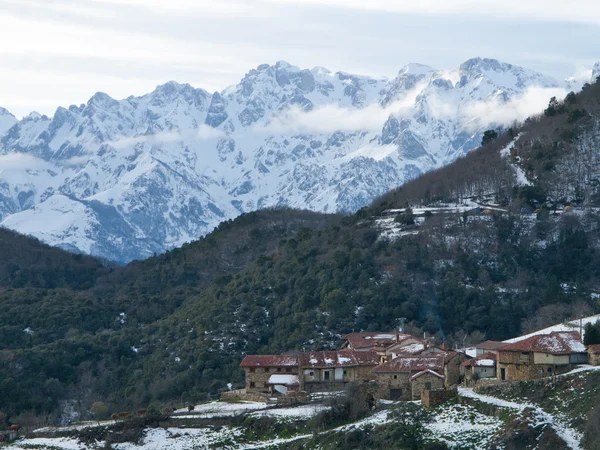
(330, 118)
(532, 102)
(21, 161)
(586, 11)
(203, 133)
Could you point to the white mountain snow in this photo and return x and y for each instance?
(124, 179)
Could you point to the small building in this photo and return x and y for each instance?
(283, 383)
(540, 356)
(394, 377)
(594, 354)
(425, 380)
(260, 368)
(480, 368)
(488, 347)
(452, 363)
(333, 370)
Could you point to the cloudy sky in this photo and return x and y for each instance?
(60, 52)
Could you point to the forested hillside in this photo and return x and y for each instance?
(176, 326)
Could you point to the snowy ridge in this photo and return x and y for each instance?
(123, 179)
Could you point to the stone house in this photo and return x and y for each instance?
(425, 380)
(260, 370)
(394, 377)
(333, 370)
(540, 356)
(594, 354)
(452, 363)
(479, 368)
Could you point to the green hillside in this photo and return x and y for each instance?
(176, 326)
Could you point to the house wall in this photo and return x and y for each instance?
(426, 381)
(388, 381)
(594, 360)
(521, 367)
(546, 358)
(452, 372)
(486, 372)
(261, 375)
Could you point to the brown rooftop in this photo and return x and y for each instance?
(595, 349)
(474, 361)
(342, 358)
(373, 339)
(490, 345)
(412, 364)
(269, 361)
(556, 343)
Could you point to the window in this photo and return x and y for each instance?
(326, 375)
(251, 370)
(279, 369)
(395, 377)
(266, 369)
(345, 373)
(524, 357)
(312, 374)
(288, 369)
(518, 366)
(428, 386)
(252, 384)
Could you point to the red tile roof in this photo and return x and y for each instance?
(270, 361)
(490, 345)
(595, 348)
(370, 340)
(408, 349)
(557, 343)
(342, 358)
(485, 356)
(412, 364)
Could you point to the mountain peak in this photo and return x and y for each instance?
(33, 115)
(416, 69)
(475, 66)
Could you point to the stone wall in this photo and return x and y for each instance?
(387, 382)
(594, 360)
(242, 395)
(452, 372)
(261, 376)
(433, 398)
(425, 382)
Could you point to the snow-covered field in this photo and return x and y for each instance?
(464, 427)
(569, 435)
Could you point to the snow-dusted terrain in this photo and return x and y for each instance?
(124, 179)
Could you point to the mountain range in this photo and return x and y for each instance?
(124, 179)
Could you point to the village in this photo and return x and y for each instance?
(396, 366)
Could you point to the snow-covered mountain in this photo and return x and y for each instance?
(124, 179)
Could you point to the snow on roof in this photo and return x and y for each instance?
(485, 360)
(341, 358)
(556, 343)
(573, 325)
(411, 349)
(286, 380)
(269, 361)
(431, 372)
(368, 340)
(412, 364)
